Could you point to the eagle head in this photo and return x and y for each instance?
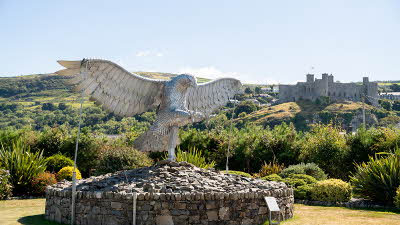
(186, 80)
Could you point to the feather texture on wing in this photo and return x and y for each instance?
(210, 96)
(111, 86)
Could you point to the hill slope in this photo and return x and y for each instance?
(304, 113)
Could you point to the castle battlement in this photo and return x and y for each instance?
(314, 88)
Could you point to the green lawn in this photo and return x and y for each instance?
(30, 212)
(321, 215)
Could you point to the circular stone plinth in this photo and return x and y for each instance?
(168, 193)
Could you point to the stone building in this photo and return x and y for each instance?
(315, 88)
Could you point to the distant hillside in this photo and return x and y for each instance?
(304, 113)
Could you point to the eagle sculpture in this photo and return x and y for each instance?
(178, 101)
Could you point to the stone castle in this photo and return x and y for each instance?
(312, 89)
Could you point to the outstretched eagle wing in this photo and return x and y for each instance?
(111, 86)
(210, 96)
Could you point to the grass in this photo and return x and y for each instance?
(31, 212)
(306, 109)
(284, 110)
(311, 215)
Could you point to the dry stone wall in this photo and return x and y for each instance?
(96, 204)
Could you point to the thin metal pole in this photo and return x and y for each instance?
(363, 110)
(75, 157)
(134, 209)
(230, 136)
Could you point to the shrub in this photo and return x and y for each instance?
(377, 179)
(397, 198)
(240, 173)
(41, 181)
(5, 186)
(310, 169)
(303, 192)
(273, 177)
(57, 162)
(295, 182)
(114, 159)
(331, 190)
(22, 164)
(66, 173)
(270, 168)
(326, 147)
(306, 178)
(302, 185)
(194, 157)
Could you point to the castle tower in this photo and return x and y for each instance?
(310, 78)
(330, 79)
(325, 86)
(371, 90)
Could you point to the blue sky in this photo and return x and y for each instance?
(255, 41)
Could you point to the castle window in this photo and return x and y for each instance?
(329, 94)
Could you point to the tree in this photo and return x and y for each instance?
(246, 106)
(62, 106)
(396, 105)
(257, 90)
(48, 106)
(248, 90)
(386, 104)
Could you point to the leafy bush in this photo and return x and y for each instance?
(5, 186)
(397, 198)
(366, 143)
(57, 162)
(331, 190)
(61, 140)
(41, 181)
(273, 177)
(52, 141)
(193, 156)
(270, 168)
(377, 179)
(297, 180)
(310, 169)
(22, 164)
(302, 185)
(303, 192)
(306, 178)
(116, 158)
(240, 173)
(66, 173)
(326, 147)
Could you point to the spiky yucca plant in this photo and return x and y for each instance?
(22, 164)
(193, 156)
(378, 179)
(272, 167)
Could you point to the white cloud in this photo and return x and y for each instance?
(207, 72)
(148, 53)
(142, 53)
